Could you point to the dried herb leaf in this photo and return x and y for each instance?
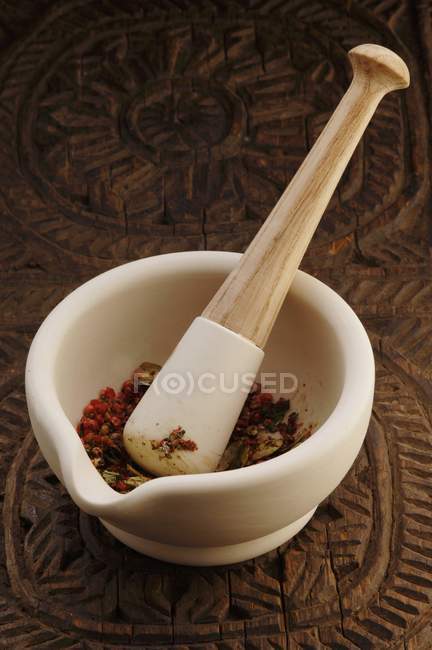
(243, 455)
(146, 372)
(230, 456)
(110, 477)
(268, 444)
(134, 481)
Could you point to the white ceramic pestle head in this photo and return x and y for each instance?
(198, 395)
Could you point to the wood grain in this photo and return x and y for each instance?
(95, 172)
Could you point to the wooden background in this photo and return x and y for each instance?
(130, 128)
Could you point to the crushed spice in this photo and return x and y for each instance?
(175, 440)
(265, 429)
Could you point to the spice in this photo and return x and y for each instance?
(146, 372)
(101, 431)
(175, 440)
(265, 429)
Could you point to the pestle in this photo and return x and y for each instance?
(201, 389)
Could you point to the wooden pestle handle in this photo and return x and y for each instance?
(250, 298)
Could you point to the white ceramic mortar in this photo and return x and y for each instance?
(103, 330)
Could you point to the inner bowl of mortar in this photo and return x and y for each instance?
(137, 312)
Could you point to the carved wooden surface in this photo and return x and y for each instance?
(134, 128)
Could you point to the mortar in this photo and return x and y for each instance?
(104, 329)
